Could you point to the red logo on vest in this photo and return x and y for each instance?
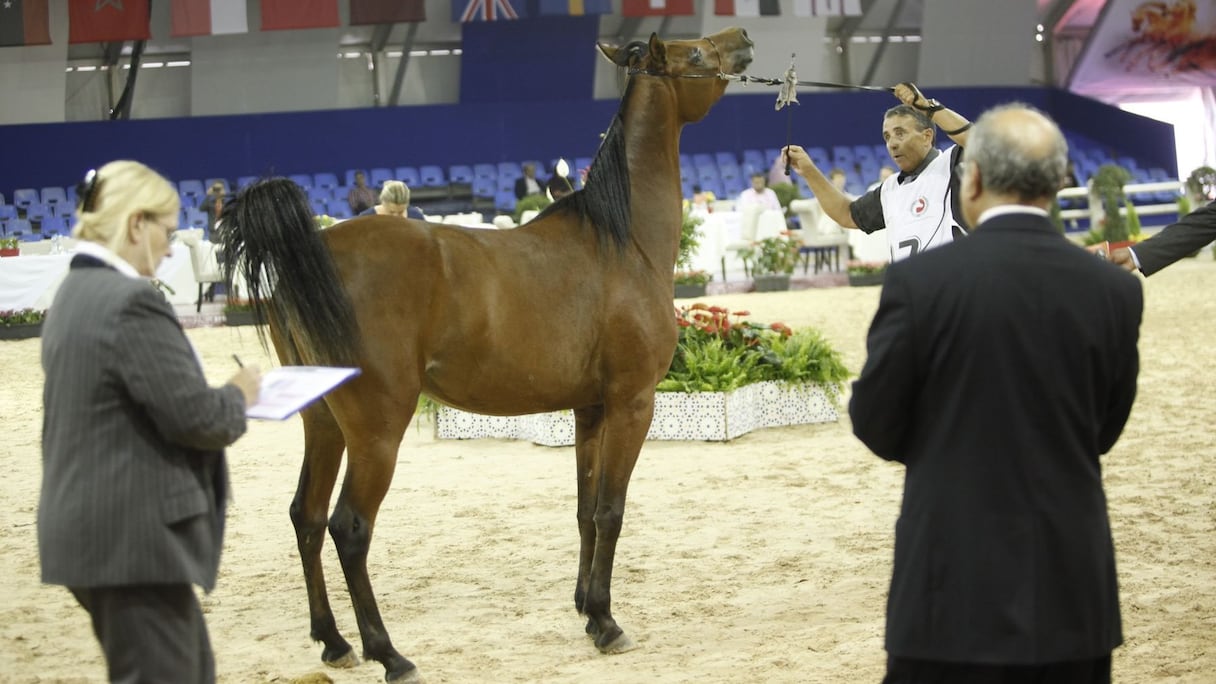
(919, 206)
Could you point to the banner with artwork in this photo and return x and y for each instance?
(1154, 43)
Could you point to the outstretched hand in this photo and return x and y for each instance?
(909, 94)
(796, 158)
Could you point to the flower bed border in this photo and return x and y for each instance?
(701, 416)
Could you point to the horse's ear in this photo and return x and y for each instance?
(626, 56)
(658, 51)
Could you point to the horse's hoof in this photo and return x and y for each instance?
(409, 676)
(344, 661)
(620, 644)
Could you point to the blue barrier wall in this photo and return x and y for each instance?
(38, 155)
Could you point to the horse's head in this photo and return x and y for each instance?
(696, 67)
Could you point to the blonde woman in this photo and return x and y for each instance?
(134, 481)
(395, 201)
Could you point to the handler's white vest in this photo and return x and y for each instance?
(917, 213)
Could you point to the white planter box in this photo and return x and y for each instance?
(703, 416)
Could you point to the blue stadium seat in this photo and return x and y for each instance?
(460, 173)
(53, 225)
(431, 176)
(196, 218)
(709, 172)
(484, 188)
(407, 175)
(36, 210)
(320, 205)
(328, 181)
(510, 170)
(506, 184)
(703, 159)
(485, 171)
(726, 159)
(245, 181)
(339, 208)
(323, 194)
(23, 197)
(192, 192)
(304, 180)
(8, 211)
(504, 201)
(820, 156)
(729, 171)
(377, 176)
(53, 195)
(17, 227)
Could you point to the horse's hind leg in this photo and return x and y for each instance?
(323, 444)
(373, 438)
(624, 428)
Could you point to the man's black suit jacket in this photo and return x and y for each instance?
(999, 368)
(1177, 240)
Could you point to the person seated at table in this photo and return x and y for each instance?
(758, 195)
(394, 201)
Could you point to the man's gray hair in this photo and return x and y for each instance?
(1014, 166)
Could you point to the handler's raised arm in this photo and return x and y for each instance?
(833, 202)
(953, 124)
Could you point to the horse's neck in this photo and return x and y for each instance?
(652, 144)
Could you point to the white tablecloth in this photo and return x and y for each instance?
(719, 229)
(31, 281)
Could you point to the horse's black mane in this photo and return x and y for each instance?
(605, 201)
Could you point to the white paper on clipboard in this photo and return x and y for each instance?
(288, 389)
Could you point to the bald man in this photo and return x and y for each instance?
(999, 369)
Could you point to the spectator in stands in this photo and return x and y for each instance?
(915, 206)
(361, 198)
(213, 204)
(395, 201)
(1004, 567)
(1172, 243)
(134, 477)
(758, 195)
(528, 184)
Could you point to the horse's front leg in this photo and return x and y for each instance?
(369, 472)
(323, 444)
(624, 429)
(588, 433)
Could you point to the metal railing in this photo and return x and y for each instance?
(1094, 211)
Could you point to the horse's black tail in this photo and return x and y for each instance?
(268, 232)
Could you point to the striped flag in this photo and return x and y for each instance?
(656, 8)
(24, 22)
(573, 8)
(208, 17)
(827, 8)
(363, 12)
(486, 10)
(105, 21)
(746, 8)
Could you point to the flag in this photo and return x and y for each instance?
(387, 12)
(103, 21)
(280, 15)
(487, 10)
(746, 8)
(24, 22)
(208, 17)
(827, 8)
(573, 8)
(649, 8)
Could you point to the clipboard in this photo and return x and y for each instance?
(287, 389)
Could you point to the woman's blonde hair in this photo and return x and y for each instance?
(120, 190)
(394, 192)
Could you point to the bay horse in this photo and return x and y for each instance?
(571, 311)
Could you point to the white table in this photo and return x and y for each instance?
(30, 281)
(721, 228)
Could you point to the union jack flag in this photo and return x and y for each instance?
(485, 10)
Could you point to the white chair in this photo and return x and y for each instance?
(820, 236)
(722, 205)
(749, 220)
(528, 215)
(204, 263)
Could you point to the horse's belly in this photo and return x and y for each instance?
(502, 387)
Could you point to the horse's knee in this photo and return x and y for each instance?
(310, 532)
(351, 534)
(608, 521)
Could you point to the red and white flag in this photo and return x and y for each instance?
(656, 8)
(105, 21)
(284, 15)
(208, 17)
(827, 8)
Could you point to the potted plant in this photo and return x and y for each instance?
(1106, 187)
(689, 282)
(9, 247)
(20, 324)
(773, 260)
(538, 202)
(786, 193)
(1201, 187)
(863, 273)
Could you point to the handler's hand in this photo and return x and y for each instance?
(249, 380)
(909, 94)
(797, 158)
(1123, 257)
